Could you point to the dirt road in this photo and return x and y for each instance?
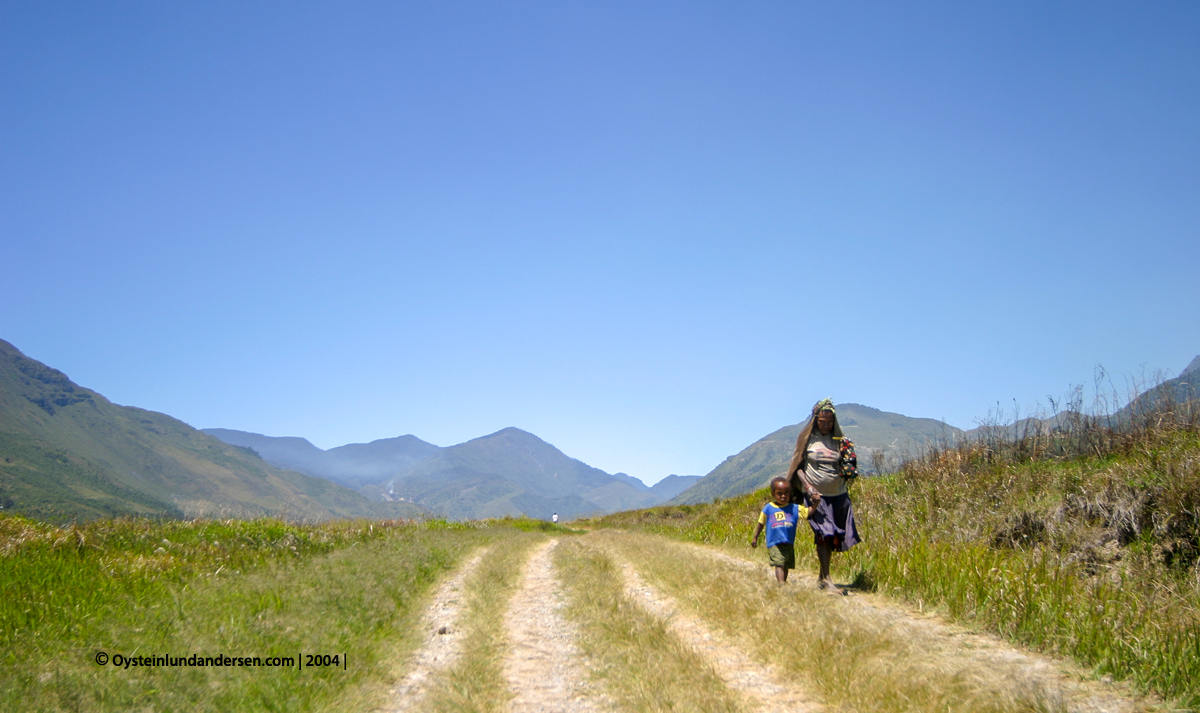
(545, 670)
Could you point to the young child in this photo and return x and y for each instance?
(780, 518)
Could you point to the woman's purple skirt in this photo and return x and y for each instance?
(834, 518)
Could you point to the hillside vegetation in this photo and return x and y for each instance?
(1082, 544)
(68, 453)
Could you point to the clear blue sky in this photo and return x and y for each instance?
(649, 233)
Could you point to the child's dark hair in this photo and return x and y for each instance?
(778, 479)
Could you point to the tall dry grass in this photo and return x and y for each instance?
(1083, 544)
(1082, 541)
(850, 659)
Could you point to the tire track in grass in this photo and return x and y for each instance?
(443, 642)
(1076, 693)
(761, 684)
(643, 666)
(1023, 677)
(543, 666)
(476, 682)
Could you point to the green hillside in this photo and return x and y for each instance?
(66, 452)
(890, 435)
(748, 470)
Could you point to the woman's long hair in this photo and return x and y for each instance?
(795, 471)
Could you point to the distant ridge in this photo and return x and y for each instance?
(673, 485)
(510, 472)
(872, 431)
(513, 472)
(354, 465)
(1181, 392)
(886, 438)
(66, 452)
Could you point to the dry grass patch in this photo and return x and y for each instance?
(855, 661)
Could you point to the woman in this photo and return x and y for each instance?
(821, 464)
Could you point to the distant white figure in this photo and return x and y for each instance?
(554, 518)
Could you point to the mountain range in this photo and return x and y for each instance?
(883, 439)
(879, 437)
(67, 453)
(1182, 391)
(355, 465)
(510, 472)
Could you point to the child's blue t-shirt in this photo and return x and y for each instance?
(780, 523)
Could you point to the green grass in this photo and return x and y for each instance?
(1092, 558)
(51, 484)
(528, 524)
(239, 588)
